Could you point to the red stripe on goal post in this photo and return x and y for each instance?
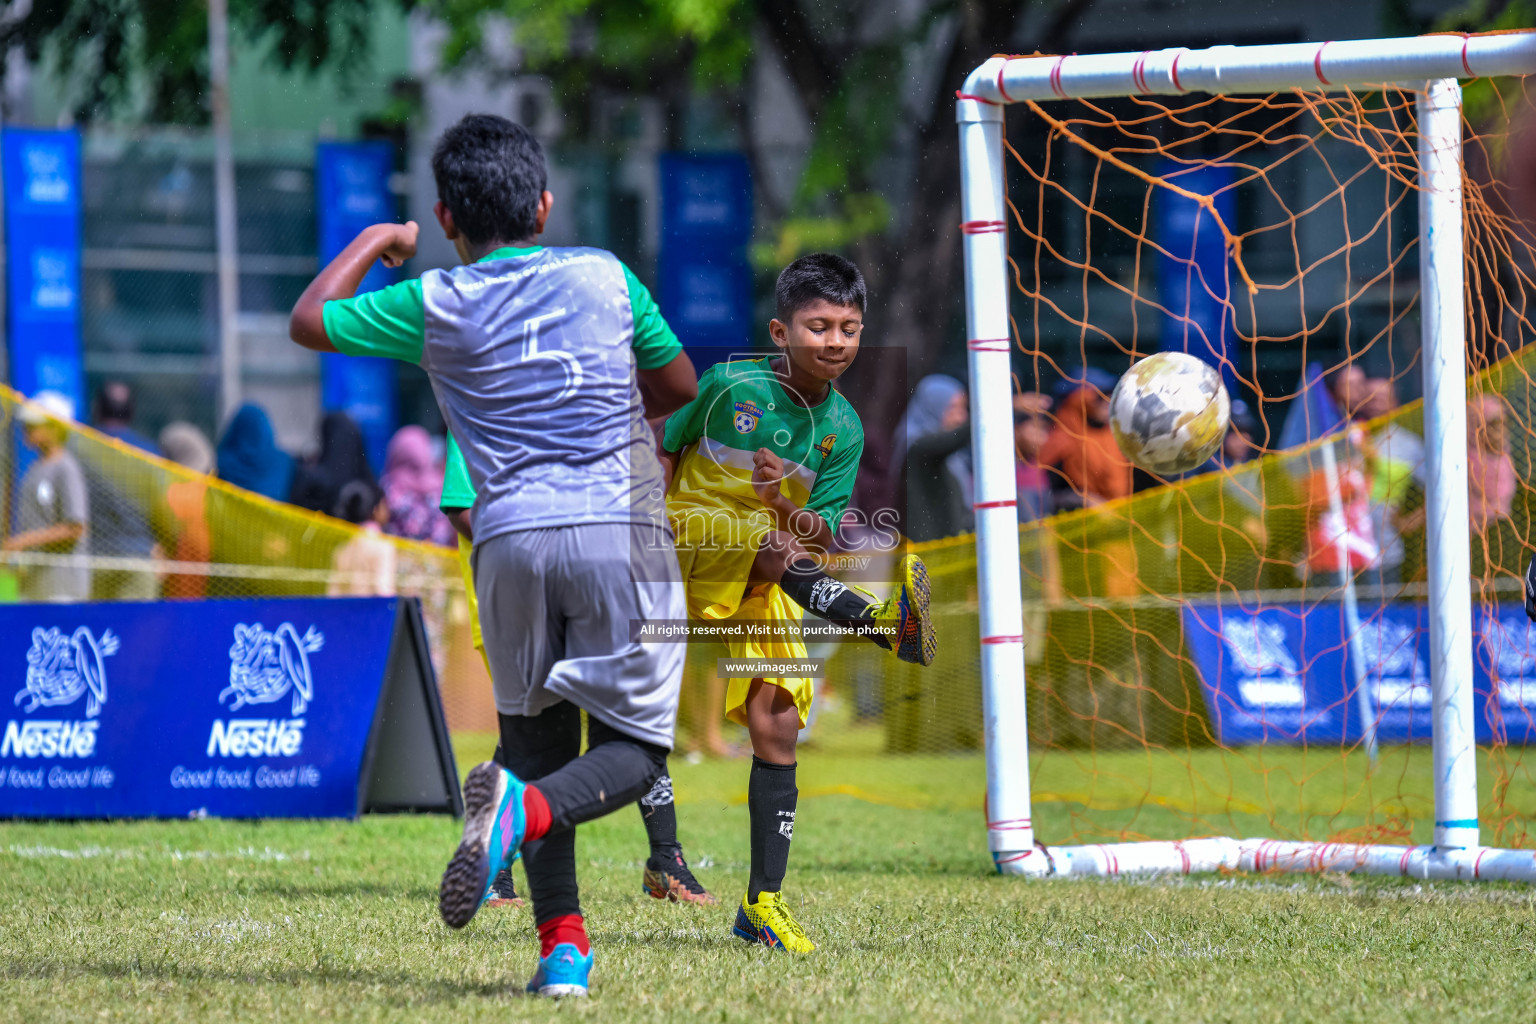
(1317, 63)
(990, 344)
(982, 227)
(996, 504)
(1003, 639)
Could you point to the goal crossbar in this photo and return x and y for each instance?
(1232, 70)
(1433, 65)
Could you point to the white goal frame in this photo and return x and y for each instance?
(1433, 65)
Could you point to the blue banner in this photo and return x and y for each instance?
(705, 278)
(41, 172)
(1193, 270)
(352, 192)
(1281, 674)
(248, 709)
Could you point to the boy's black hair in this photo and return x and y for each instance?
(357, 501)
(821, 275)
(490, 174)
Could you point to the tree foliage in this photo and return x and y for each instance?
(148, 59)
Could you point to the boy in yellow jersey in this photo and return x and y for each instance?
(667, 875)
(761, 467)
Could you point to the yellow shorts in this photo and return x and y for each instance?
(715, 576)
(466, 570)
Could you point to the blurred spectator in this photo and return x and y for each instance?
(1396, 471)
(53, 512)
(249, 457)
(1029, 436)
(1085, 466)
(1240, 444)
(113, 416)
(412, 481)
(188, 503)
(1490, 469)
(365, 565)
(1346, 523)
(1347, 386)
(342, 459)
(932, 450)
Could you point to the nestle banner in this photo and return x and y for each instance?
(1283, 674)
(294, 708)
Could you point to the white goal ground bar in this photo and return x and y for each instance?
(1431, 66)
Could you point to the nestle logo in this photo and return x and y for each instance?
(256, 737)
(39, 738)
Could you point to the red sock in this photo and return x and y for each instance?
(536, 814)
(565, 928)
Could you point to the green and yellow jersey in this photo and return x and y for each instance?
(742, 406)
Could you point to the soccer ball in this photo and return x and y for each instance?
(1169, 413)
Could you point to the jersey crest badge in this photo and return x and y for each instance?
(825, 447)
(747, 415)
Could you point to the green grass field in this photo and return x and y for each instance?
(216, 920)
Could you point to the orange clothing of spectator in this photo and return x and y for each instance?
(188, 504)
(1084, 455)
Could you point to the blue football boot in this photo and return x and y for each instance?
(493, 833)
(563, 973)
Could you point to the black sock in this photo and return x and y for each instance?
(830, 599)
(822, 595)
(660, 816)
(771, 798)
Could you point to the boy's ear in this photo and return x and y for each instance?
(778, 330)
(546, 203)
(445, 218)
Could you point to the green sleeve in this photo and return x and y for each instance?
(654, 343)
(458, 492)
(834, 484)
(388, 322)
(687, 424)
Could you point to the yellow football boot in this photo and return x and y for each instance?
(769, 921)
(905, 613)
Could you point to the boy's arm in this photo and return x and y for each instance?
(666, 375)
(668, 465)
(392, 243)
(805, 524)
(667, 388)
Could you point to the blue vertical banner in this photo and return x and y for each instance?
(1193, 271)
(42, 238)
(352, 192)
(705, 278)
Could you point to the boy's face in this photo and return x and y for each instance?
(821, 338)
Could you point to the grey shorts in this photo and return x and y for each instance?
(556, 609)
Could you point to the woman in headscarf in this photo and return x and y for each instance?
(187, 500)
(931, 449)
(342, 459)
(249, 457)
(412, 482)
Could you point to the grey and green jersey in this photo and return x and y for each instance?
(532, 355)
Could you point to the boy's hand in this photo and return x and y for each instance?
(401, 244)
(767, 474)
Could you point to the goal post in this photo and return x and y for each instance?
(1432, 65)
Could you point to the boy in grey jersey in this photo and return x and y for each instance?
(546, 364)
